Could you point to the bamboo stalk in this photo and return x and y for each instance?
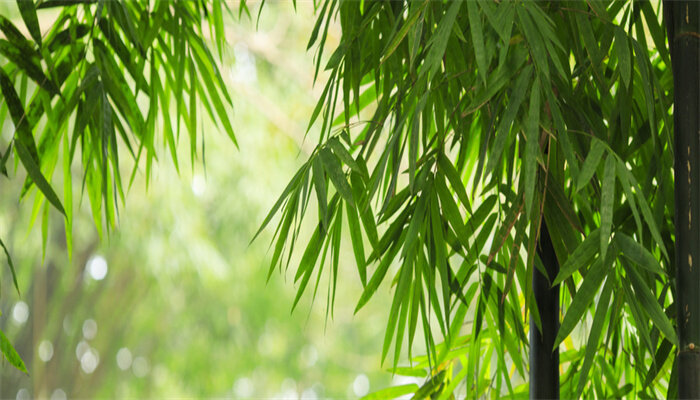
(683, 20)
(544, 362)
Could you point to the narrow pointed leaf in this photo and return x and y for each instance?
(11, 354)
(607, 202)
(28, 12)
(584, 297)
(595, 154)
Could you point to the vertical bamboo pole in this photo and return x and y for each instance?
(683, 20)
(544, 362)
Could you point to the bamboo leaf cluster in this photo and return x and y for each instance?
(105, 80)
(449, 132)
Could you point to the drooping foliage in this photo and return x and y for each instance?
(449, 132)
(94, 81)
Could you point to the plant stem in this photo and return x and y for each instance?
(683, 19)
(544, 362)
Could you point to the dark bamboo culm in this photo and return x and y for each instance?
(544, 363)
(682, 18)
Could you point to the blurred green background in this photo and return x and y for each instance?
(175, 302)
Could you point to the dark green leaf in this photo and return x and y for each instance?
(28, 12)
(583, 298)
(607, 202)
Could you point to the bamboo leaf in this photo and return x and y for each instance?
(11, 354)
(377, 277)
(503, 131)
(595, 154)
(25, 155)
(440, 38)
(29, 63)
(392, 392)
(335, 173)
(594, 334)
(532, 146)
(319, 180)
(291, 186)
(583, 298)
(28, 12)
(607, 202)
(12, 266)
(477, 39)
(648, 303)
(580, 257)
(455, 180)
(623, 55)
(638, 254)
(357, 245)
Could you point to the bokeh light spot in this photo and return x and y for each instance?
(89, 329)
(361, 385)
(45, 350)
(124, 359)
(58, 394)
(140, 367)
(89, 361)
(20, 312)
(97, 267)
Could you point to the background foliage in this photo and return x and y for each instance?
(185, 290)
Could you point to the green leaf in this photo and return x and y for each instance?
(392, 392)
(503, 131)
(307, 263)
(16, 37)
(643, 63)
(321, 190)
(34, 172)
(378, 276)
(401, 34)
(455, 180)
(623, 55)
(594, 334)
(638, 254)
(535, 41)
(28, 11)
(11, 354)
(357, 245)
(343, 154)
(291, 186)
(408, 371)
(622, 175)
(477, 39)
(583, 298)
(532, 146)
(335, 173)
(28, 62)
(580, 257)
(595, 154)
(439, 40)
(12, 266)
(648, 303)
(607, 202)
